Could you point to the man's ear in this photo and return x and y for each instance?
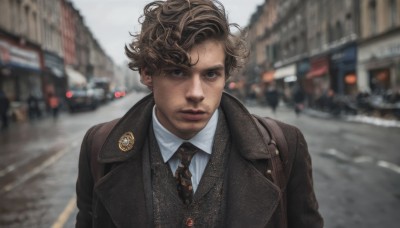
(146, 79)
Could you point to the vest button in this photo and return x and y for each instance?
(189, 222)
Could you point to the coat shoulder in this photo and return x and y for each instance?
(97, 135)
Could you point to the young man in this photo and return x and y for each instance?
(188, 154)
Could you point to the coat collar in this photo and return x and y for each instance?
(247, 137)
(137, 121)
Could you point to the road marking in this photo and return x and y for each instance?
(20, 163)
(35, 171)
(390, 166)
(363, 159)
(8, 169)
(51, 160)
(338, 154)
(63, 217)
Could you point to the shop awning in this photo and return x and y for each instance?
(75, 78)
(319, 67)
(317, 71)
(57, 72)
(268, 76)
(286, 71)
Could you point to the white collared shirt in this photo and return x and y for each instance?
(169, 144)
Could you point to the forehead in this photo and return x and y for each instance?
(209, 52)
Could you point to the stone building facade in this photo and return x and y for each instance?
(379, 47)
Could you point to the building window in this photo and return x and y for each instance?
(372, 16)
(349, 24)
(392, 13)
(27, 21)
(318, 41)
(339, 31)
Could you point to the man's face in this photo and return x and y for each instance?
(186, 99)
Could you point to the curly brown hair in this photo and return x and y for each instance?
(171, 28)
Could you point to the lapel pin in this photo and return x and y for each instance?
(126, 141)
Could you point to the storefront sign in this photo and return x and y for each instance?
(347, 54)
(17, 56)
(389, 51)
(285, 71)
(54, 63)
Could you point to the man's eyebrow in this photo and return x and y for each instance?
(216, 67)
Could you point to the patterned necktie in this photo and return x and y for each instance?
(183, 176)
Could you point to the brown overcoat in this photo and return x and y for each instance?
(111, 190)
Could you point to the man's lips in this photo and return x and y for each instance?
(192, 114)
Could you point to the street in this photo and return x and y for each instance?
(356, 167)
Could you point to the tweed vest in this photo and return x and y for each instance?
(207, 208)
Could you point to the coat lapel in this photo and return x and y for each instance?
(121, 192)
(251, 198)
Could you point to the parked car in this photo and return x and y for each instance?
(81, 98)
(102, 88)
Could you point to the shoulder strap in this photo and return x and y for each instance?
(278, 137)
(274, 136)
(99, 138)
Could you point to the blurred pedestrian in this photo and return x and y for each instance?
(4, 107)
(33, 107)
(144, 170)
(298, 99)
(272, 96)
(54, 104)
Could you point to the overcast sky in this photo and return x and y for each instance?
(111, 20)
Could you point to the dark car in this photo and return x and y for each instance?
(81, 98)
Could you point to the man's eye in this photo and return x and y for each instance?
(176, 73)
(212, 74)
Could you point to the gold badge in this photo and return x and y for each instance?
(126, 141)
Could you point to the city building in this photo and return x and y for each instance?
(45, 47)
(53, 74)
(20, 53)
(379, 47)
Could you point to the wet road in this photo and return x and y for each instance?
(356, 168)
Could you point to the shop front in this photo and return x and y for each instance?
(20, 74)
(54, 77)
(343, 70)
(379, 74)
(285, 78)
(317, 80)
(379, 65)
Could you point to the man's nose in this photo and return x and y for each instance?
(195, 90)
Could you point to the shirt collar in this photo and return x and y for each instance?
(169, 143)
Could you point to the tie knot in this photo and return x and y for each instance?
(186, 152)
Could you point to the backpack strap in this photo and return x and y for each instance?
(278, 149)
(277, 145)
(101, 133)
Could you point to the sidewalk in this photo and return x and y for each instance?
(17, 128)
(354, 118)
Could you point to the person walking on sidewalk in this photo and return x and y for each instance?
(54, 104)
(189, 154)
(298, 99)
(272, 97)
(33, 107)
